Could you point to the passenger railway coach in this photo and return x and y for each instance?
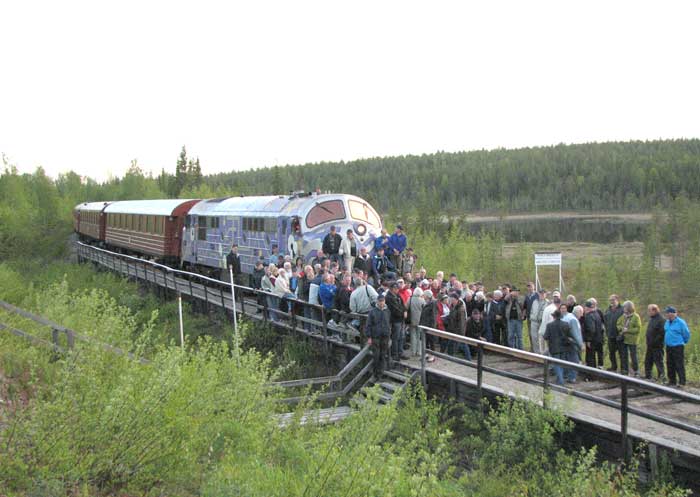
(147, 227)
(198, 234)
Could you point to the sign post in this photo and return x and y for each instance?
(235, 320)
(182, 329)
(548, 259)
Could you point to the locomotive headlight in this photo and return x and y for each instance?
(361, 229)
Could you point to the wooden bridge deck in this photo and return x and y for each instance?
(581, 409)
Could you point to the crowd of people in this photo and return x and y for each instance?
(397, 296)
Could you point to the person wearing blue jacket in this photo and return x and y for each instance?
(676, 335)
(397, 244)
(382, 241)
(327, 291)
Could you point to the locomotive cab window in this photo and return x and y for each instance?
(360, 211)
(324, 212)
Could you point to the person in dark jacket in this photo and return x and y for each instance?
(559, 341)
(233, 263)
(611, 316)
(592, 335)
(255, 281)
(457, 323)
(331, 245)
(398, 315)
(655, 343)
(428, 317)
(497, 317)
(363, 261)
(474, 329)
(381, 267)
(342, 298)
(378, 331)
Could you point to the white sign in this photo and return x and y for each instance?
(548, 259)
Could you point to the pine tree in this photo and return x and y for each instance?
(180, 173)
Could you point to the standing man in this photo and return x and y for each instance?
(498, 311)
(611, 316)
(515, 312)
(592, 336)
(677, 335)
(382, 241)
(397, 244)
(398, 315)
(557, 336)
(348, 250)
(363, 261)
(331, 245)
(655, 343)
(547, 317)
(274, 255)
(233, 262)
(530, 298)
(378, 333)
(535, 320)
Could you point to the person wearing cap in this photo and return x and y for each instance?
(378, 335)
(397, 244)
(654, 355)
(676, 336)
(348, 250)
(515, 314)
(331, 244)
(415, 306)
(535, 315)
(611, 316)
(547, 317)
(398, 312)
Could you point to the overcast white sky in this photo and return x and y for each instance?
(91, 85)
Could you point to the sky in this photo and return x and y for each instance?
(89, 86)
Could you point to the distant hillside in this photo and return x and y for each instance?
(597, 176)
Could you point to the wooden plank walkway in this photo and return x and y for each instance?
(316, 416)
(577, 408)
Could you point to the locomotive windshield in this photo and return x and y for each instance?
(324, 212)
(360, 211)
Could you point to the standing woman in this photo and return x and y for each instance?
(629, 326)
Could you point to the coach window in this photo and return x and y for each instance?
(325, 212)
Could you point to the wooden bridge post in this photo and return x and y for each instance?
(423, 376)
(545, 384)
(623, 420)
(480, 373)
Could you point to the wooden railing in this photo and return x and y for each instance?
(548, 362)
